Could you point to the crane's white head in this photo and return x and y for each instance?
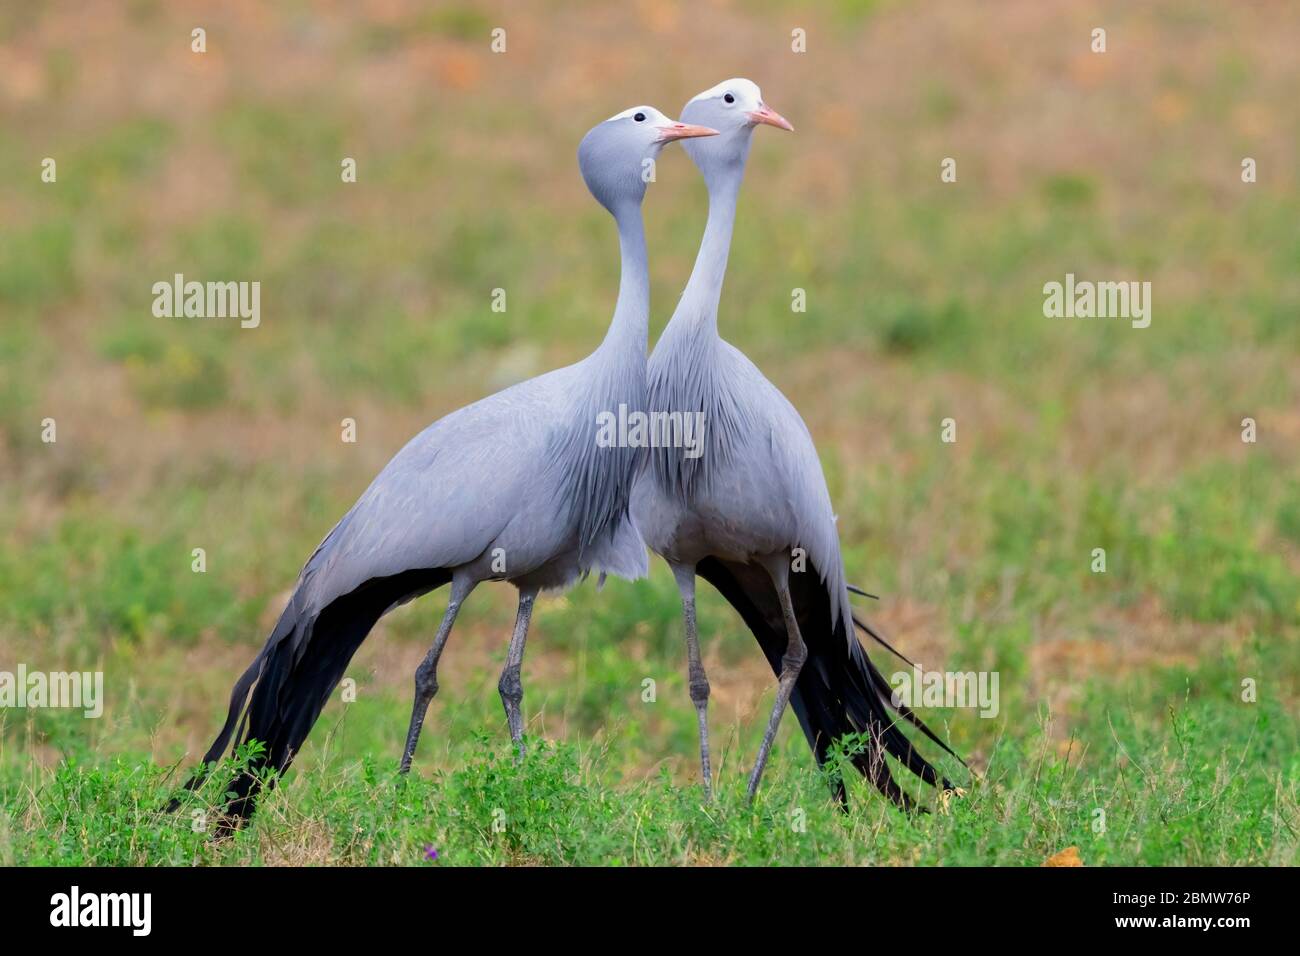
(734, 108)
(617, 157)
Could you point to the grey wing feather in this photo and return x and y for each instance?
(793, 471)
(450, 492)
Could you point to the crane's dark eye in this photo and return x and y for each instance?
(640, 117)
(729, 98)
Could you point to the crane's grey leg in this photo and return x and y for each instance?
(510, 685)
(796, 652)
(698, 682)
(426, 675)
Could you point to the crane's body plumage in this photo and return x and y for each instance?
(498, 490)
(515, 487)
(758, 488)
(752, 515)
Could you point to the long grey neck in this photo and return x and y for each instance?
(631, 323)
(596, 480)
(699, 302)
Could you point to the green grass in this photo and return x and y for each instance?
(1210, 781)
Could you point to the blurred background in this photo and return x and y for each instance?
(924, 302)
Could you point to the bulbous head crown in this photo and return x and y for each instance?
(617, 157)
(733, 107)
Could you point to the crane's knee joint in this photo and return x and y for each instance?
(700, 691)
(510, 685)
(426, 680)
(699, 686)
(794, 657)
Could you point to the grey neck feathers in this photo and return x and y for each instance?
(593, 483)
(630, 325)
(723, 176)
(685, 370)
(699, 302)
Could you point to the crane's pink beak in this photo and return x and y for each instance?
(765, 114)
(668, 134)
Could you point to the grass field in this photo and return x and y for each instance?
(1122, 728)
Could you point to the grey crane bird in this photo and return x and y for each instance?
(514, 487)
(752, 514)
